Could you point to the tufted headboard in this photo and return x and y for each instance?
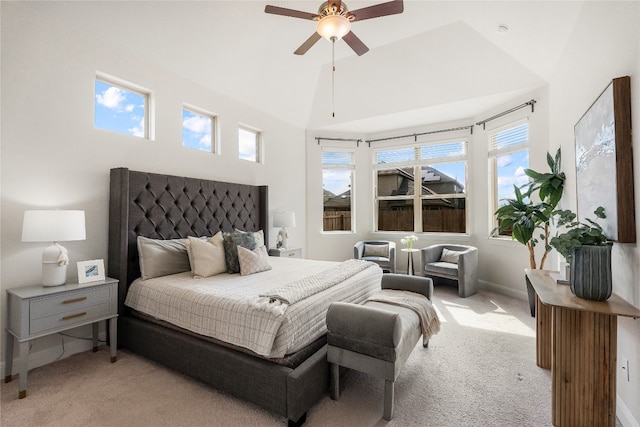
(171, 207)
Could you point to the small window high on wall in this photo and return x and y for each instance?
(121, 107)
(249, 144)
(198, 129)
(338, 168)
(508, 158)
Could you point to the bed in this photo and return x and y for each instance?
(159, 206)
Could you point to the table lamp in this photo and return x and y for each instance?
(284, 220)
(53, 226)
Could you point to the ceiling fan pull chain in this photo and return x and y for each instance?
(333, 74)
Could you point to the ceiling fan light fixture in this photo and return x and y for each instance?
(333, 27)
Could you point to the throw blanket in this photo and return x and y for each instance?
(429, 321)
(300, 289)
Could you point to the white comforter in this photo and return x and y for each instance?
(227, 306)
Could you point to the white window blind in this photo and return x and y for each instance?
(504, 141)
(337, 158)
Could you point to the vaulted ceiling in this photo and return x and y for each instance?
(437, 61)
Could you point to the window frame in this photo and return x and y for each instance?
(417, 163)
(147, 95)
(259, 142)
(350, 167)
(215, 149)
(492, 157)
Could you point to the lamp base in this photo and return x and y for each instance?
(283, 235)
(54, 265)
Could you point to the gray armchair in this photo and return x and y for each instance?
(458, 263)
(382, 252)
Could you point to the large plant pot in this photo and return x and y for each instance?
(591, 272)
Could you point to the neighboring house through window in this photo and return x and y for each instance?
(121, 107)
(337, 184)
(422, 188)
(508, 158)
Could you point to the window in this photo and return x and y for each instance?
(438, 204)
(249, 141)
(337, 185)
(508, 158)
(198, 130)
(121, 107)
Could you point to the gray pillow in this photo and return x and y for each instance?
(162, 257)
(450, 256)
(259, 236)
(376, 250)
(231, 242)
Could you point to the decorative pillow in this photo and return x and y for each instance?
(253, 261)
(231, 243)
(204, 238)
(376, 250)
(258, 235)
(207, 257)
(162, 257)
(449, 256)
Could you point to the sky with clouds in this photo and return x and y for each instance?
(119, 110)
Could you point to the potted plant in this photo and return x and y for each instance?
(525, 217)
(588, 252)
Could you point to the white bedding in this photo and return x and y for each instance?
(226, 306)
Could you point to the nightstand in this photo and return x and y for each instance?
(288, 252)
(38, 311)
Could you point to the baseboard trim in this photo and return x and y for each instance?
(499, 289)
(52, 354)
(624, 414)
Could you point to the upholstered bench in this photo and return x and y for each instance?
(376, 337)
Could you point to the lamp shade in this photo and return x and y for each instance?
(53, 226)
(284, 219)
(332, 26)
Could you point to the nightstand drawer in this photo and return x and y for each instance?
(286, 253)
(70, 301)
(75, 315)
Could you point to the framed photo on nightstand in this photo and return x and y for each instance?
(90, 271)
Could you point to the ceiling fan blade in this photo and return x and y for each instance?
(304, 47)
(276, 10)
(355, 43)
(375, 11)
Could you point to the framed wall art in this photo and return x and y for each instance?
(604, 162)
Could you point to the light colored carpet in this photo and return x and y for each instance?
(480, 370)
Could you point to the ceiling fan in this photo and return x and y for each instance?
(334, 21)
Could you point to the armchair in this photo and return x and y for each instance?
(452, 262)
(382, 252)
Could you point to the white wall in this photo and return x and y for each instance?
(53, 157)
(605, 44)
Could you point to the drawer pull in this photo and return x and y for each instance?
(69, 301)
(73, 316)
(292, 254)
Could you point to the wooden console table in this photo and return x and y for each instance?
(577, 339)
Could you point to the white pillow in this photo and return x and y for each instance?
(207, 257)
(450, 256)
(253, 261)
